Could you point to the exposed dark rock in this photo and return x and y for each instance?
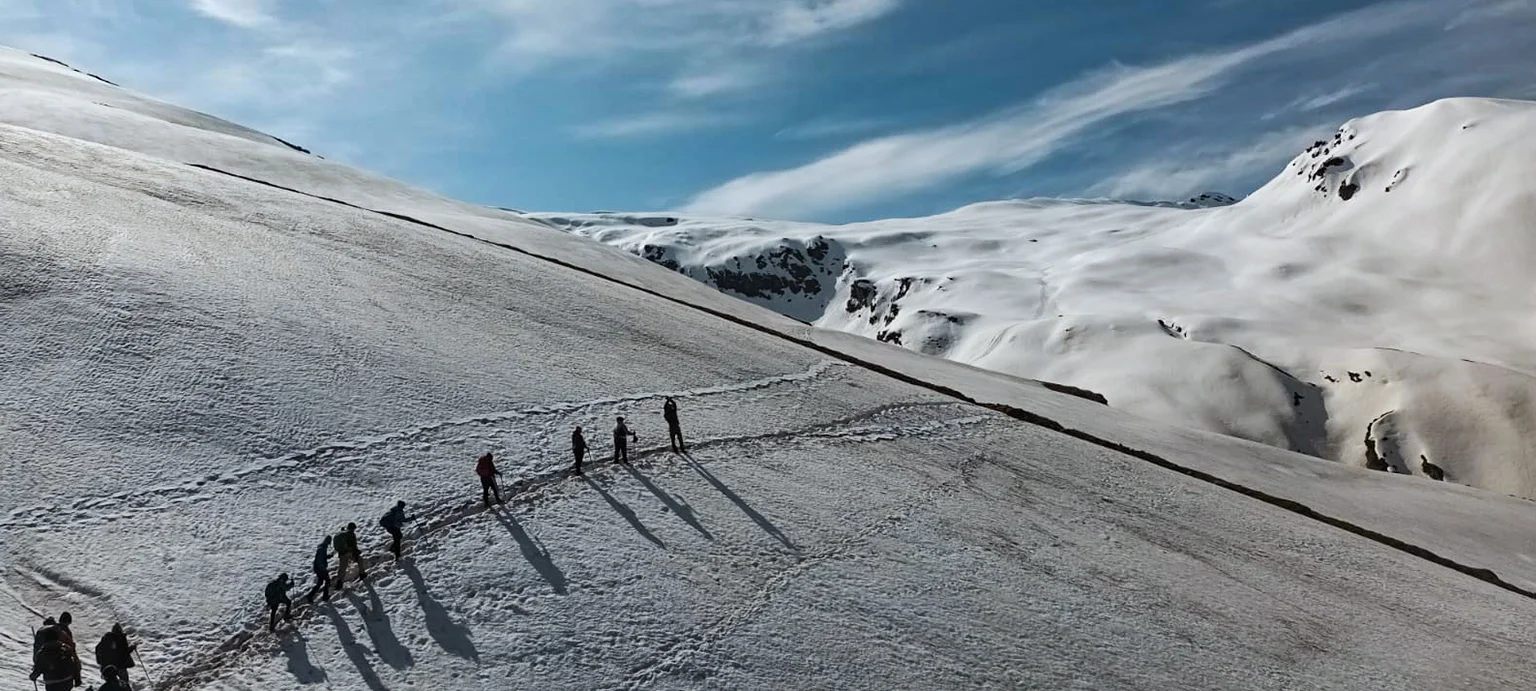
(1431, 470)
(1348, 190)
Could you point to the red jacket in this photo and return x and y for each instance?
(486, 467)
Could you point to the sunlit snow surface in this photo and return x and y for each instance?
(1369, 300)
(205, 374)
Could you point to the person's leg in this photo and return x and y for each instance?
(394, 544)
(496, 490)
(271, 616)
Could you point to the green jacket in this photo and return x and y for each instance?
(345, 543)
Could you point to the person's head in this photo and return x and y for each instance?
(49, 621)
(621, 419)
(283, 578)
(400, 504)
(351, 527)
(108, 672)
(488, 456)
(117, 629)
(66, 619)
(578, 429)
(326, 540)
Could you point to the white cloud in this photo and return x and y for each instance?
(1021, 137)
(653, 125)
(246, 14)
(699, 84)
(1186, 173)
(800, 20)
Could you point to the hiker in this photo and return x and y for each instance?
(277, 595)
(116, 652)
(486, 469)
(54, 663)
(346, 553)
(322, 567)
(393, 522)
(674, 430)
(621, 438)
(579, 448)
(113, 678)
(66, 634)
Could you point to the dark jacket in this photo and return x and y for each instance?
(394, 519)
(277, 591)
(323, 556)
(669, 412)
(620, 432)
(578, 442)
(345, 542)
(114, 650)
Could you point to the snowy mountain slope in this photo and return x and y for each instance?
(1363, 295)
(208, 373)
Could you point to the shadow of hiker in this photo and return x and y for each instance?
(450, 635)
(385, 644)
(682, 510)
(534, 553)
(623, 509)
(296, 648)
(355, 650)
(761, 520)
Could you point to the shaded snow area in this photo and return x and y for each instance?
(219, 348)
(1374, 279)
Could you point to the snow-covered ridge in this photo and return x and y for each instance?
(1363, 306)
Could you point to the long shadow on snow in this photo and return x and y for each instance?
(385, 643)
(623, 509)
(449, 634)
(534, 552)
(761, 520)
(355, 650)
(682, 509)
(296, 648)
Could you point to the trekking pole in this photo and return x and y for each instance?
(142, 668)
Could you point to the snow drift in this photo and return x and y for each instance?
(1364, 306)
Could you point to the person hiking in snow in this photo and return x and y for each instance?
(485, 467)
(113, 678)
(54, 663)
(674, 430)
(346, 553)
(115, 651)
(621, 439)
(322, 568)
(578, 448)
(66, 634)
(393, 522)
(277, 596)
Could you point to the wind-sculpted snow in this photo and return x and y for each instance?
(219, 349)
(1371, 276)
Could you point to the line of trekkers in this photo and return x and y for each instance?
(56, 664)
(345, 542)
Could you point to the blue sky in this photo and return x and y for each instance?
(830, 110)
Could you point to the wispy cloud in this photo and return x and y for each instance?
(654, 125)
(1207, 169)
(798, 21)
(1023, 136)
(246, 14)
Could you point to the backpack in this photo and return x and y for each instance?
(55, 662)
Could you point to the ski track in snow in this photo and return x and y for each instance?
(863, 427)
(337, 456)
